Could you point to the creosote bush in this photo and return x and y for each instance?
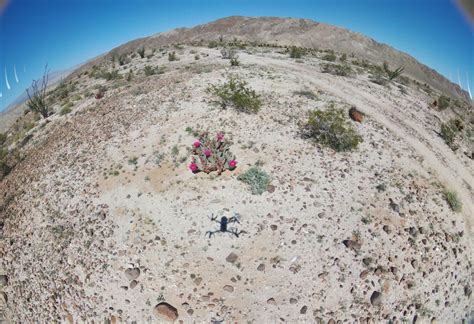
(172, 56)
(443, 102)
(234, 62)
(212, 154)
(331, 57)
(257, 179)
(141, 52)
(336, 69)
(331, 128)
(237, 93)
(453, 200)
(296, 52)
(450, 131)
(229, 53)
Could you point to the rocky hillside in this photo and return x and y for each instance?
(299, 32)
(329, 219)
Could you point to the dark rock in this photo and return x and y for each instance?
(303, 309)
(232, 257)
(132, 273)
(165, 311)
(376, 298)
(353, 245)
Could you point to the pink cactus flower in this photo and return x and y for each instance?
(193, 167)
(208, 152)
(220, 136)
(197, 144)
(232, 164)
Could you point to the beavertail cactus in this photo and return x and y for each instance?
(212, 154)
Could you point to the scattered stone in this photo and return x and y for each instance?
(353, 245)
(364, 274)
(367, 261)
(293, 301)
(261, 267)
(228, 288)
(386, 229)
(271, 188)
(303, 309)
(133, 284)
(273, 227)
(232, 257)
(376, 298)
(356, 115)
(395, 207)
(414, 263)
(132, 273)
(271, 301)
(165, 311)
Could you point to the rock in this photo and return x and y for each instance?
(197, 281)
(353, 245)
(261, 267)
(303, 309)
(133, 284)
(228, 288)
(364, 274)
(293, 301)
(232, 257)
(395, 207)
(386, 229)
(356, 115)
(414, 263)
(165, 311)
(274, 227)
(271, 188)
(376, 298)
(3, 280)
(271, 301)
(132, 273)
(367, 261)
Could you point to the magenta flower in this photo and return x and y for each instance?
(208, 152)
(232, 164)
(193, 167)
(220, 136)
(197, 144)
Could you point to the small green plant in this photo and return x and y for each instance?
(336, 69)
(236, 92)
(343, 58)
(212, 154)
(234, 62)
(306, 93)
(229, 53)
(296, 52)
(213, 44)
(130, 75)
(443, 102)
(149, 70)
(123, 59)
(66, 110)
(172, 56)
(3, 138)
(453, 200)
(331, 57)
(331, 128)
(450, 131)
(175, 150)
(141, 52)
(257, 179)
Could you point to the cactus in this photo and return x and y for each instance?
(212, 154)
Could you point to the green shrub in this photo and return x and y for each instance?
(443, 102)
(237, 93)
(149, 70)
(336, 69)
(112, 75)
(234, 62)
(3, 138)
(213, 44)
(66, 110)
(453, 200)
(172, 56)
(257, 179)
(296, 52)
(123, 59)
(141, 52)
(331, 128)
(450, 131)
(229, 53)
(392, 75)
(306, 93)
(343, 58)
(329, 57)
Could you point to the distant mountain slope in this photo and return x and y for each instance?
(304, 33)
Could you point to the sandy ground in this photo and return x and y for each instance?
(73, 228)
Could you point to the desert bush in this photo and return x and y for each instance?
(37, 95)
(453, 200)
(110, 75)
(229, 53)
(66, 110)
(392, 74)
(331, 128)
(197, 57)
(257, 179)
(123, 59)
(443, 102)
(141, 52)
(212, 154)
(149, 70)
(234, 62)
(450, 131)
(3, 138)
(100, 92)
(213, 44)
(306, 93)
(236, 92)
(343, 58)
(331, 57)
(172, 56)
(336, 69)
(296, 52)
(130, 75)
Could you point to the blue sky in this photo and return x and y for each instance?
(64, 33)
